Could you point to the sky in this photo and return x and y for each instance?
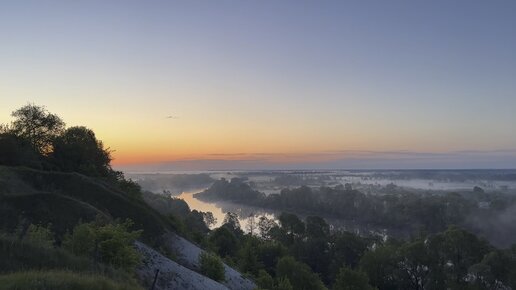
(271, 84)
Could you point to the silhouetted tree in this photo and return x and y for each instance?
(265, 225)
(231, 222)
(251, 224)
(293, 226)
(37, 126)
(316, 227)
(77, 149)
(16, 151)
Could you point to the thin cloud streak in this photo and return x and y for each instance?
(345, 159)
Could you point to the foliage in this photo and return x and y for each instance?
(166, 205)
(211, 266)
(164, 183)
(193, 224)
(18, 255)
(248, 258)
(404, 210)
(232, 223)
(349, 279)
(40, 235)
(234, 190)
(298, 274)
(265, 226)
(38, 139)
(316, 227)
(109, 243)
(82, 240)
(269, 253)
(61, 280)
(293, 227)
(224, 242)
(379, 264)
(46, 197)
(264, 280)
(77, 149)
(38, 126)
(283, 284)
(291, 254)
(17, 151)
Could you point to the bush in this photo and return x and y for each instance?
(40, 235)
(110, 243)
(212, 266)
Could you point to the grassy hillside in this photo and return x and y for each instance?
(64, 199)
(60, 280)
(32, 266)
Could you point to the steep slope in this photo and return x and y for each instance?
(47, 197)
(188, 255)
(171, 274)
(65, 199)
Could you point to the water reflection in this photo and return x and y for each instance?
(219, 209)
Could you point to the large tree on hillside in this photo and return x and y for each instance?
(77, 149)
(38, 126)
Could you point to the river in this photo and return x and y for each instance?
(219, 209)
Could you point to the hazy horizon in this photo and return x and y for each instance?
(350, 161)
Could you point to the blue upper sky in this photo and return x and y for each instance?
(269, 77)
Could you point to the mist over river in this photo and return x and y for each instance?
(491, 184)
(244, 213)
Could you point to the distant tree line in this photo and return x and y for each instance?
(402, 210)
(173, 183)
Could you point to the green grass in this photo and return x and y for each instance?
(22, 256)
(65, 198)
(57, 280)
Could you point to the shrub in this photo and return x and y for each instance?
(40, 235)
(110, 243)
(212, 266)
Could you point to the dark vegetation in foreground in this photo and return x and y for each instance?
(67, 219)
(64, 221)
(305, 254)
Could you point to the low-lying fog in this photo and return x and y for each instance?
(185, 184)
(274, 181)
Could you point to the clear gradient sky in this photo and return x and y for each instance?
(272, 83)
